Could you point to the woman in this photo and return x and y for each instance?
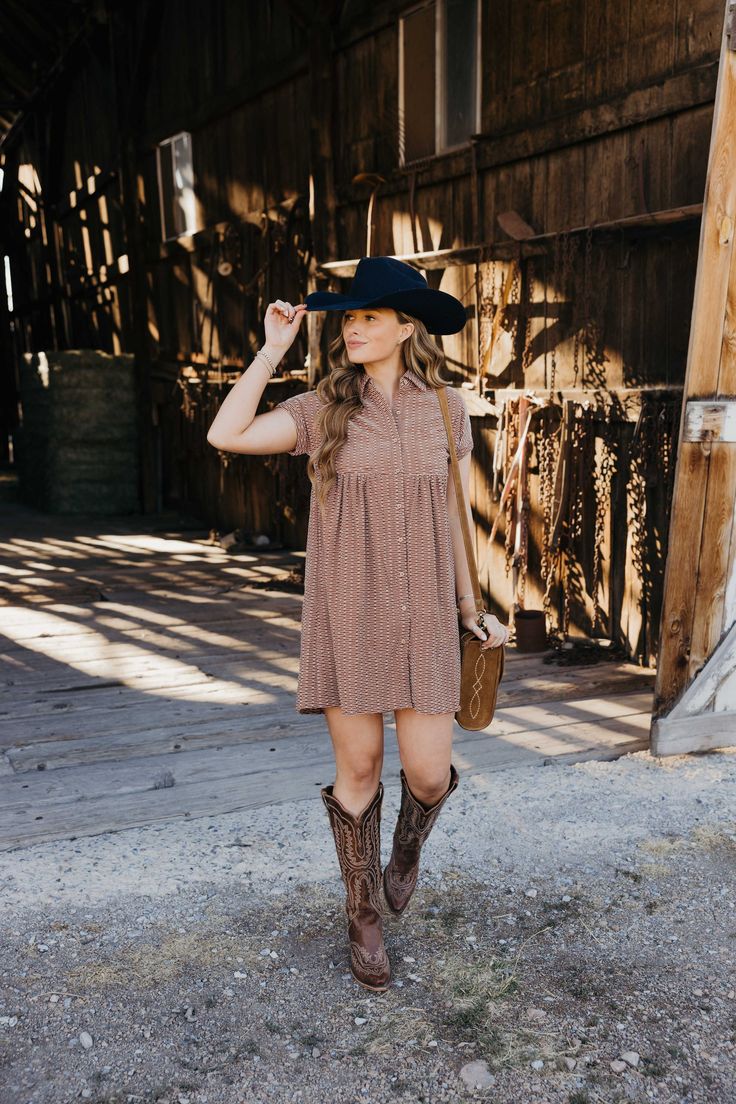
(384, 561)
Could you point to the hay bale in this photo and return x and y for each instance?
(77, 443)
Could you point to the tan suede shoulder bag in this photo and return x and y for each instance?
(481, 669)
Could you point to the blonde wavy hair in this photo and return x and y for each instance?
(339, 391)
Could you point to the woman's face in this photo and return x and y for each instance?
(372, 334)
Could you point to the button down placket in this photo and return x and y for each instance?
(401, 544)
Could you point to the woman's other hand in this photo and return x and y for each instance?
(281, 323)
(495, 635)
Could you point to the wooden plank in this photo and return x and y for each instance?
(37, 817)
(720, 665)
(698, 498)
(678, 736)
(97, 747)
(713, 564)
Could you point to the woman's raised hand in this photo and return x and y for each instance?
(282, 322)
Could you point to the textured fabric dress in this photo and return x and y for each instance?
(379, 621)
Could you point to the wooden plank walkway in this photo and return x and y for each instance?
(146, 674)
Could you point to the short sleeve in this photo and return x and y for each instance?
(462, 427)
(301, 410)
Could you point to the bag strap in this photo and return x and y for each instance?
(461, 502)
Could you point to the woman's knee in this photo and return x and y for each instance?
(362, 773)
(429, 782)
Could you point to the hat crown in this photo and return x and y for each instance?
(375, 276)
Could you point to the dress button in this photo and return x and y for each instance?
(403, 607)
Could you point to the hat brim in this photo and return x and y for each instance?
(440, 312)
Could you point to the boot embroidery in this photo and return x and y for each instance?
(413, 826)
(358, 845)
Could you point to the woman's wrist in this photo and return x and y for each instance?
(273, 352)
(269, 357)
(466, 604)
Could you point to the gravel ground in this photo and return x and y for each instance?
(572, 940)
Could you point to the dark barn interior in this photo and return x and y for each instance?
(169, 169)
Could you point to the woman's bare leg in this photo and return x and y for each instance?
(425, 748)
(357, 740)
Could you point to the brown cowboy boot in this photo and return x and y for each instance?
(358, 845)
(414, 824)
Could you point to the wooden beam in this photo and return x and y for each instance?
(120, 21)
(678, 736)
(700, 692)
(702, 529)
(532, 246)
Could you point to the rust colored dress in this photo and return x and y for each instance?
(379, 620)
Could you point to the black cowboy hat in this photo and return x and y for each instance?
(387, 282)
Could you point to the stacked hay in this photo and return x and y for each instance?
(77, 442)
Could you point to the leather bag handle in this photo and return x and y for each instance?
(461, 501)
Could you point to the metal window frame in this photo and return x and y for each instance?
(440, 84)
(175, 191)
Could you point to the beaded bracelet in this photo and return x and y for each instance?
(268, 361)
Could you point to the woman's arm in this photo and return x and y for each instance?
(497, 632)
(236, 427)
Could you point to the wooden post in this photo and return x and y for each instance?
(129, 83)
(322, 199)
(697, 615)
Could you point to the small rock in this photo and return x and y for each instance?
(536, 1015)
(618, 1066)
(537, 1064)
(8, 1021)
(630, 1057)
(476, 1075)
(530, 893)
(408, 958)
(566, 898)
(316, 1052)
(85, 1039)
(239, 974)
(570, 1063)
(360, 1020)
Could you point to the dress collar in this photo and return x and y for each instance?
(409, 374)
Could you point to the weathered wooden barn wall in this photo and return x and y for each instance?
(591, 114)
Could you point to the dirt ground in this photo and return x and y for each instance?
(572, 939)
